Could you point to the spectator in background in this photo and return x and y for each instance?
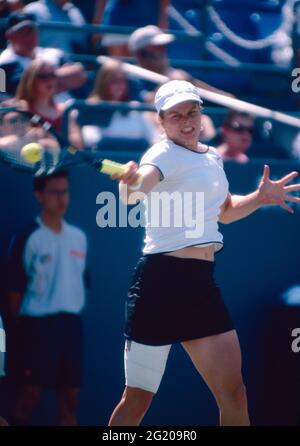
(22, 36)
(133, 13)
(112, 85)
(46, 296)
(3, 422)
(6, 7)
(59, 11)
(87, 8)
(149, 47)
(36, 92)
(237, 136)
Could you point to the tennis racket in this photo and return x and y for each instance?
(30, 143)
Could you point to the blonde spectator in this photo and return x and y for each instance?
(111, 84)
(36, 92)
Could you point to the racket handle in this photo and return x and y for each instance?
(111, 168)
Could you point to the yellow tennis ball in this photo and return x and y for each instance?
(32, 152)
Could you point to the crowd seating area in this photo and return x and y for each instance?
(222, 57)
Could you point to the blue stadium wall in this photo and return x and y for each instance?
(260, 260)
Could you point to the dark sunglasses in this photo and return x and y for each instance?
(239, 128)
(46, 76)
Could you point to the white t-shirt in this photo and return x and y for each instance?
(183, 209)
(52, 269)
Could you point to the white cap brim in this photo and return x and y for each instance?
(156, 40)
(162, 39)
(179, 98)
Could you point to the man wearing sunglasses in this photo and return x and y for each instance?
(237, 136)
(149, 46)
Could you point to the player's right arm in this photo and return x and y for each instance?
(129, 193)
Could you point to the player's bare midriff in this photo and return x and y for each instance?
(194, 252)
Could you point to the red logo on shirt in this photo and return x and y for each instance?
(80, 254)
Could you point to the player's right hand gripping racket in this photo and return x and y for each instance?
(31, 144)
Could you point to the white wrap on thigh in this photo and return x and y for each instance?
(145, 365)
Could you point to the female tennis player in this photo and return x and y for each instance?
(173, 297)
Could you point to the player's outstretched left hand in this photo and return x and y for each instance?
(276, 192)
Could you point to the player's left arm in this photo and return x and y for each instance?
(268, 192)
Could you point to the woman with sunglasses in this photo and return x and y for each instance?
(237, 136)
(36, 92)
(173, 297)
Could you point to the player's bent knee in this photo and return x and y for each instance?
(235, 395)
(239, 395)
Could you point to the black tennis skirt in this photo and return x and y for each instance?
(173, 300)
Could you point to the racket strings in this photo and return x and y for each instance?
(49, 150)
(18, 129)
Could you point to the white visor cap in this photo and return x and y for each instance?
(175, 92)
